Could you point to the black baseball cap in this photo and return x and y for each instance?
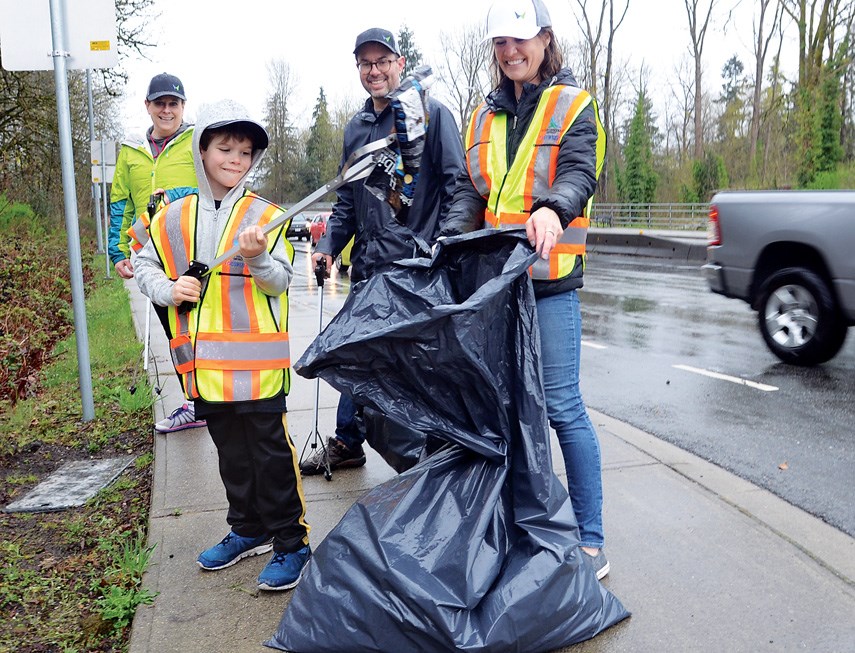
(377, 35)
(165, 84)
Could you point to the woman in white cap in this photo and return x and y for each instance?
(534, 150)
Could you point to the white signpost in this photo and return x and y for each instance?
(45, 35)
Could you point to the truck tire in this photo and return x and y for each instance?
(799, 318)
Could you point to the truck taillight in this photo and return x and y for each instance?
(713, 228)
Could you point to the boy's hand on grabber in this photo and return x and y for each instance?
(252, 242)
(186, 289)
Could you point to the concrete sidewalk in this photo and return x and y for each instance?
(704, 560)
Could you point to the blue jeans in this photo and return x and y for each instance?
(348, 422)
(560, 320)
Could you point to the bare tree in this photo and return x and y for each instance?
(465, 70)
(699, 20)
(761, 48)
(593, 27)
(282, 158)
(683, 96)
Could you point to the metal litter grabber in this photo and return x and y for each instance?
(315, 438)
(358, 166)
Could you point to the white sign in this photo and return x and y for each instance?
(109, 152)
(103, 173)
(90, 34)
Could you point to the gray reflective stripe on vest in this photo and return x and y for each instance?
(571, 236)
(543, 153)
(474, 153)
(140, 232)
(235, 278)
(213, 350)
(182, 354)
(241, 386)
(175, 235)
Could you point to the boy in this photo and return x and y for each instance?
(231, 348)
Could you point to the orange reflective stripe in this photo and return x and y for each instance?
(513, 218)
(568, 248)
(228, 365)
(187, 214)
(490, 218)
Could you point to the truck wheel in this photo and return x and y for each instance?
(799, 319)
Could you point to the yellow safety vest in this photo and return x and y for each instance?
(138, 232)
(511, 192)
(229, 347)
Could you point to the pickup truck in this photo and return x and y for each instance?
(791, 256)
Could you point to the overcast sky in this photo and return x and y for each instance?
(220, 48)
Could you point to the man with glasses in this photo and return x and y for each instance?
(380, 238)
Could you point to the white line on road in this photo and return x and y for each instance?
(724, 377)
(593, 345)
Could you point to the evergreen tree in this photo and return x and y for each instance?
(709, 175)
(636, 183)
(830, 120)
(407, 46)
(320, 162)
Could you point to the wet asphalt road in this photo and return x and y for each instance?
(796, 437)
(641, 318)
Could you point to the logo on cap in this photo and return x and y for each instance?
(520, 16)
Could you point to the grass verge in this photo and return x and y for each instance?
(71, 580)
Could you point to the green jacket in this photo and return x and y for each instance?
(138, 175)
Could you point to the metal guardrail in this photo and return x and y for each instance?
(677, 217)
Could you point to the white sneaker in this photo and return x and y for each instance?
(183, 417)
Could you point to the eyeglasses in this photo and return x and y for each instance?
(382, 66)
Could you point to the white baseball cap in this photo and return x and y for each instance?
(519, 19)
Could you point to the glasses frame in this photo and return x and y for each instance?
(383, 65)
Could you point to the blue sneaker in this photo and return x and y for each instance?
(284, 570)
(232, 549)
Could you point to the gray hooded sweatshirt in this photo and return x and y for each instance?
(271, 271)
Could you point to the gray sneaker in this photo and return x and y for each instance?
(598, 563)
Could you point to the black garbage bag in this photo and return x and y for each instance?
(475, 548)
(398, 444)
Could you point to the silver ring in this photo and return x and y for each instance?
(549, 231)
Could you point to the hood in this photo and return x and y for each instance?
(212, 114)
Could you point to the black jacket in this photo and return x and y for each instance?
(380, 238)
(575, 177)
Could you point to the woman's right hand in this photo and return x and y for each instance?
(543, 229)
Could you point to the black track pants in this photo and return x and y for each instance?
(259, 468)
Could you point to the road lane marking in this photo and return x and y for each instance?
(725, 377)
(593, 345)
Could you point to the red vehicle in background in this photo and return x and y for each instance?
(318, 227)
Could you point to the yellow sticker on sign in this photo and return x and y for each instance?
(97, 46)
